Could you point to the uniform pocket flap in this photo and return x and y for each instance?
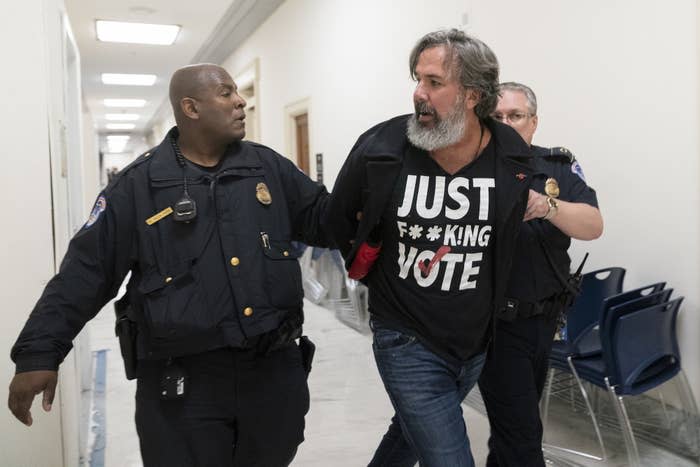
(280, 250)
(156, 281)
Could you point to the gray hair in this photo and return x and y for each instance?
(474, 61)
(529, 94)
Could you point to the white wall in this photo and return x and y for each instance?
(91, 162)
(48, 179)
(617, 82)
(160, 129)
(118, 161)
(350, 58)
(26, 250)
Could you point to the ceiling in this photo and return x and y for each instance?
(209, 28)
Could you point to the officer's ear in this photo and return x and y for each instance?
(189, 108)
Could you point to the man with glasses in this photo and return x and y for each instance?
(513, 376)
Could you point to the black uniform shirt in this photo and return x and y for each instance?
(532, 278)
(222, 279)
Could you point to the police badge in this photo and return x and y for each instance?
(263, 194)
(551, 188)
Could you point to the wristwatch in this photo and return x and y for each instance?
(552, 207)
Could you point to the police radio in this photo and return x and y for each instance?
(185, 210)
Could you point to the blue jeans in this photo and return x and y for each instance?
(426, 392)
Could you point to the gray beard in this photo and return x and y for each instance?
(445, 133)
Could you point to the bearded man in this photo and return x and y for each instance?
(426, 210)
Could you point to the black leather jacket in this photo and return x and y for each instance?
(366, 181)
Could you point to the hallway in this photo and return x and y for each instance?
(349, 408)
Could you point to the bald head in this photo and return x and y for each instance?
(206, 103)
(194, 81)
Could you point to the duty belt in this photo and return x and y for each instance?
(528, 309)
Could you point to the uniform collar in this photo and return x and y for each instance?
(539, 150)
(539, 163)
(165, 166)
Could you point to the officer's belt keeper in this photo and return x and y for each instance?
(518, 309)
(287, 332)
(525, 309)
(307, 349)
(126, 331)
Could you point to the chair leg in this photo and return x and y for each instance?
(625, 426)
(590, 409)
(572, 402)
(687, 393)
(549, 447)
(690, 407)
(663, 407)
(595, 399)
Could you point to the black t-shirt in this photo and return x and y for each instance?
(532, 278)
(433, 278)
(210, 169)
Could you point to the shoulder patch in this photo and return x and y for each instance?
(576, 168)
(97, 209)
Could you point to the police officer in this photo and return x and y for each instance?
(560, 207)
(204, 223)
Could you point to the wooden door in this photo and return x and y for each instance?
(301, 123)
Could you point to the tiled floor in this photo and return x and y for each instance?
(349, 409)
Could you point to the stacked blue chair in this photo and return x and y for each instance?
(585, 313)
(640, 352)
(631, 300)
(582, 320)
(587, 343)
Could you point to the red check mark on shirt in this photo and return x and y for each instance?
(442, 251)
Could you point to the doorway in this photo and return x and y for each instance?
(301, 123)
(297, 118)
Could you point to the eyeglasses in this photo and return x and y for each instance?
(513, 117)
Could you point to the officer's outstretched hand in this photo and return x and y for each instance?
(25, 386)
